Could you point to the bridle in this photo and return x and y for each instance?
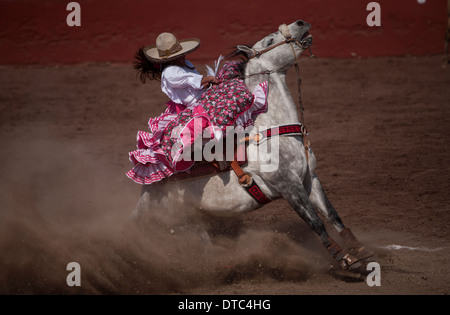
(304, 44)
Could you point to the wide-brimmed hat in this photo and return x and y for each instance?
(168, 48)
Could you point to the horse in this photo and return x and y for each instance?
(293, 179)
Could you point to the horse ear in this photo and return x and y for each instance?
(245, 49)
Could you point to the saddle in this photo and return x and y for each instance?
(209, 168)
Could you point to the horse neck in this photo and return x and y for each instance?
(281, 106)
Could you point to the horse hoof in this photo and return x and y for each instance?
(349, 261)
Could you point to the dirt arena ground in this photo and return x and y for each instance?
(380, 129)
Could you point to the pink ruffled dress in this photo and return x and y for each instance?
(190, 113)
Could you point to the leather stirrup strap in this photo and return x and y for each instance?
(246, 181)
(244, 178)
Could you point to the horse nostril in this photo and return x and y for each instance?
(300, 23)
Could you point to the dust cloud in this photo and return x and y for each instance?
(59, 204)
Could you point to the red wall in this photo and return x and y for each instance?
(35, 31)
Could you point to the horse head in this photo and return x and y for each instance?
(279, 50)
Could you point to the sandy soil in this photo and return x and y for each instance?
(380, 129)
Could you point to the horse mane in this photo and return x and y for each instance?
(243, 58)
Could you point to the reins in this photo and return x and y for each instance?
(304, 43)
(286, 41)
(311, 55)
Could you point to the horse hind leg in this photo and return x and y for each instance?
(320, 201)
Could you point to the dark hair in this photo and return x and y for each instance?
(145, 68)
(152, 71)
(236, 53)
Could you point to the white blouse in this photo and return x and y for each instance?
(182, 85)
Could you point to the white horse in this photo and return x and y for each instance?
(294, 179)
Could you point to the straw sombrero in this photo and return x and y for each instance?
(168, 48)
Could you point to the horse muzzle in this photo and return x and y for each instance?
(300, 31)
(306, 40)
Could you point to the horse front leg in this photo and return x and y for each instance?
(320, 201)
(296, 196)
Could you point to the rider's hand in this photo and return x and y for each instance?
(209, 80)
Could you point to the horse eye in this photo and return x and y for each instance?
(269, 42)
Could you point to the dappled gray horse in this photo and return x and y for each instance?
(293, 178)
